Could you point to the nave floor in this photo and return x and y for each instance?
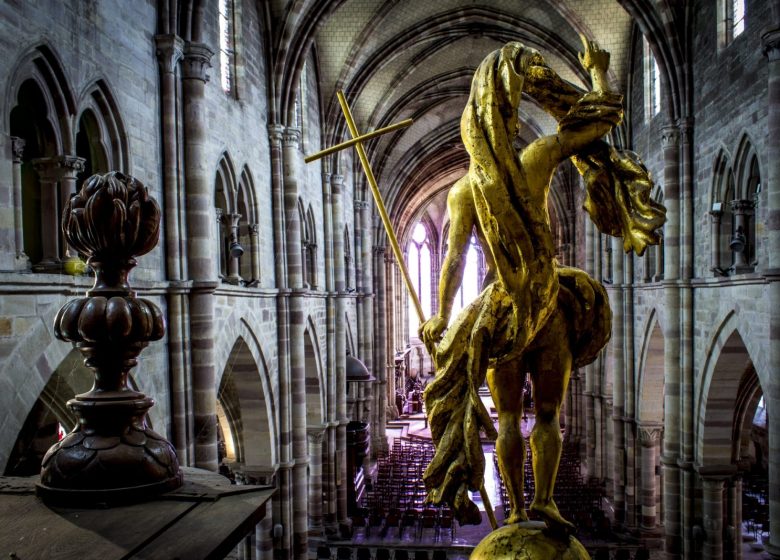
(415, 543)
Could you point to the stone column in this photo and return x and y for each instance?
(715, 216)
(650, 441)
(200, 254)
(712, 479)
(21, 261)
(264, 543)
(379, 433)
(254, 242)
(618, 381)
(632, 490)
(233, 270)
(220, 223)
(315, 435)
(671, 449)
(743, 211)
(771, 41)
(169, 50)
(291, 142)
(57, 177)
(590, 369)
(734, 520)
(340, 443)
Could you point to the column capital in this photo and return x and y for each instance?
(650, 435)
(218, 212)
(685, 127)
(771, 44)
(670, 135)
(291, 137)
(744, 206)
(715, 215)
(57, 167)
(716, 473)
(17, 148)
(361, 205)
(379, 250)
(254, 229)
(169, 51)
(315, 433)
(196, 61)
(232, 218)
(275, 134)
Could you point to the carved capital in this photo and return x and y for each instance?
(196, 61)
(670, 136)
(254, 229)
(275, 134)
(379, 249)
(170, 49)
(17, 147)
(715, 216)
(650, 436)
(315, 434)
(744, 207)
(685, 126)
(57, 167)
(771, 44)
(231, 219)
(218, 214)
(291, 137)
(361, 205)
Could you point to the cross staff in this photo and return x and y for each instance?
(357, 141)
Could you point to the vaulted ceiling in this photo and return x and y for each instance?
(396, 59)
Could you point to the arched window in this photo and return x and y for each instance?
(731, 20)
(311, 249)
(653, 259)
(228, 217)
(227, 53)
(652, 83)
(418, 259)
(735, 195)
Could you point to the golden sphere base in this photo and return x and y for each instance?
(528, 541)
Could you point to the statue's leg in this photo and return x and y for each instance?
(506, 386)
(550, 369)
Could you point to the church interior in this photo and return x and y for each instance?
(291, 357)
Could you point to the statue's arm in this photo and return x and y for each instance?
(460, 207)
(587, 119)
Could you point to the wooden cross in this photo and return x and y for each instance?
(357, 141)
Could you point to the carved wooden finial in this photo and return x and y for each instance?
(111, 455)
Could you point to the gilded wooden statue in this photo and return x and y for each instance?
(533, 315)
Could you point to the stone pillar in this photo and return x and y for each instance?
(57, 178)
(21, 261)
(233, 270)
(734, 519)
(712, 512)
(715, 216)
(650, 441)
(254, 242)
(170, 49)
(771, 41)
(297, 324)
(264, 543)
(200, 254)
(590, 369)
(618, 381)
(671, 449)
(743, 212)
(315, 435)
(340, 443)
(378, 432)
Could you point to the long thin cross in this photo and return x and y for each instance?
(357, 141)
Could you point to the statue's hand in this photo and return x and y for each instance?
(431, 330)
(594, 58)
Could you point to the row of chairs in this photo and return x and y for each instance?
(363, 553)
(627, 553)
(438, 521)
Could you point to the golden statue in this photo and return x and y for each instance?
(533, 315)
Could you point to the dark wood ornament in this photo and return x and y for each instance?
(111, 455)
